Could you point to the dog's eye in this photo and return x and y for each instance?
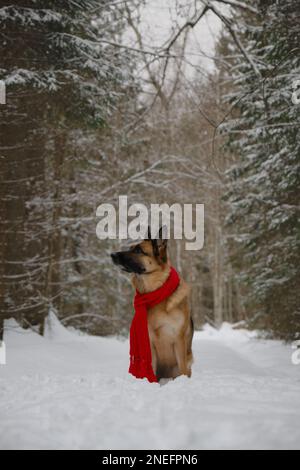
(137, 250)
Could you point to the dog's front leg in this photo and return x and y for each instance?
(181, 356)
(154, 358)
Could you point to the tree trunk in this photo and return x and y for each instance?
(218, 279)
(53, 287)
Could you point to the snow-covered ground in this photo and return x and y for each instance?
(71, 391)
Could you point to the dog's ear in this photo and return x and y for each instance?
(162, 233)
(162, 244)
(159, 243)
(153, 241)
(149, 233)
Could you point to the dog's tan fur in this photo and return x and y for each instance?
(169, 323)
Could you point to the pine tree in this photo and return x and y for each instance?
(62, 72)
(263, 191)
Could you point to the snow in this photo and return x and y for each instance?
(72, 391)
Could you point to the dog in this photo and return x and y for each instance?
(170, 324)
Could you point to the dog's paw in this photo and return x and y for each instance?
(165, 381)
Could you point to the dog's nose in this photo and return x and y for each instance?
(114, 257)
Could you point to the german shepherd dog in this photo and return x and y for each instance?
(170, 324)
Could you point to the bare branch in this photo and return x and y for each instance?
(189, 24)
(154, 81)
(235, 38)
(237, 4)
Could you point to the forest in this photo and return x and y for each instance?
(97, 105)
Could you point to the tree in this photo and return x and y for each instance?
(62, 72)
(263, 188)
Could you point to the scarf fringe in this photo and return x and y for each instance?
(141, 368)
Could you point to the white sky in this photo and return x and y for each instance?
(159, 17)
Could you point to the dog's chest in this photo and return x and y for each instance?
(164, 324)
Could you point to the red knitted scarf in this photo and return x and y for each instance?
(140, 351)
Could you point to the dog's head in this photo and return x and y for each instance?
(145, 257)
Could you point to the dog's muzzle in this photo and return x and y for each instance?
(115, 258)
(127, 263)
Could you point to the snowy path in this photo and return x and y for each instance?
(74, 392)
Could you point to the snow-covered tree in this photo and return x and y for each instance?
(264, 183)
(64, 69)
